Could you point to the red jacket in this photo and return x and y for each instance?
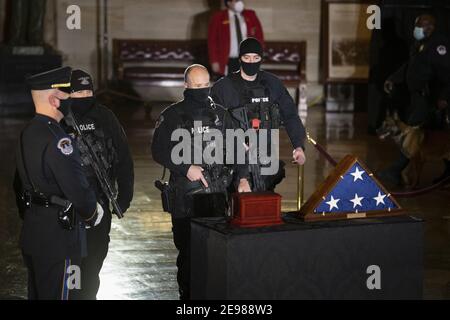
(219, 35)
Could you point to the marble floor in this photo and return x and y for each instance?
(141, 260)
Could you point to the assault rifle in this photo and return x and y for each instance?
(93, 152)
(240, 114)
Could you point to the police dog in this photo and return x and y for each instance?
(417, 144)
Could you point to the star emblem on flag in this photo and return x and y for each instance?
(351, 188)
(379, 198)
(333, 203)
(356, 201)
(357, 175)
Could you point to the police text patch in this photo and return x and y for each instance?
(65, 145)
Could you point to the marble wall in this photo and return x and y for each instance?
(289, 20)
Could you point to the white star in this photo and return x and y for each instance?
(356, 201)
(333, 203)
(379, 198)
(357, 174)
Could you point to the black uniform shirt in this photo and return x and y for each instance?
(224, 93)
(172, 118)
(428, 67)
(183, 115)
(54, 168)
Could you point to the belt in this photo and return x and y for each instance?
(39, 199)
(43, 200)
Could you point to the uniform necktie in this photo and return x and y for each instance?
(238, 29)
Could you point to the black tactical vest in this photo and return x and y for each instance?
(98, 135)
(262, 113)
(210, 116)
(190, 198)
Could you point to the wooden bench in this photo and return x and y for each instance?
(161, 63)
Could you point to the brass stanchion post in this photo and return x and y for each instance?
(301, 177)
(300, 185)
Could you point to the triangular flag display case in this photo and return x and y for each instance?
(350, 191)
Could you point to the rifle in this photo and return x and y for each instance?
(218, 178)
(89, 148)
(240, 114)
(204, 201)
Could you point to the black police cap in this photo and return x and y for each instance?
(54, 79)
(81, 80)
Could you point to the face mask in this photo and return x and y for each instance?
(239, 6)
(419, 33)
(199, 95)
(64, 106)
(250, 69)
(80, 106)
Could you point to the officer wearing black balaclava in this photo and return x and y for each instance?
(196, 115)
(264, 97)
(100, 126)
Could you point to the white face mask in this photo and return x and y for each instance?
(239, 6)
(419, 33)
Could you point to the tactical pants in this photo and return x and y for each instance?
(376, 110)
(48, 280)
(181, 228)
(97, 248)
(420, 110)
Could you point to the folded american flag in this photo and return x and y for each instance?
(356, 191)
(350, 189)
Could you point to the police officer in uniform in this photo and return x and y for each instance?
(197, 114)
(265, 99)
(53, 195)
(427, 76)
(101, 128)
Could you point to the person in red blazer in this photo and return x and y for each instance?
(224, 36)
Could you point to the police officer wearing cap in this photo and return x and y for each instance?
(197, 115)
(264, 97)
(427, 77)
(102, 129)
(53, 195)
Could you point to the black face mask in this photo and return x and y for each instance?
(64, 106)
(80, 106)
(250, 69)
(199, 95)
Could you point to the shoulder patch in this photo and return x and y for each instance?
(159, 121)
(65, 146)
(442, 50)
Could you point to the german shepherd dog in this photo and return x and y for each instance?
(417, 144)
